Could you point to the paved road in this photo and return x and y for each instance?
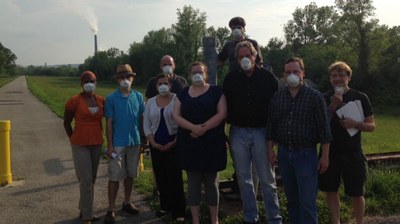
(45, 188)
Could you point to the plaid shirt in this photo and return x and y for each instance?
(298, 121)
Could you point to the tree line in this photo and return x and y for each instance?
(322, 35)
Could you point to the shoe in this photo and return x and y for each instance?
(94, 218)
(130, 208)
(109, 218)
(161, 213)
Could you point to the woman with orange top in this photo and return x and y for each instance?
(86, 139)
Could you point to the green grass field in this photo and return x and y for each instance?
(6, 79)
(55, 91)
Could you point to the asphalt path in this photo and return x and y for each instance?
(45, 188)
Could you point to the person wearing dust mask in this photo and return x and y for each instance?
(167, 66)
(124, 112)
(160, 130)
(346, 157)
(248, 91)
(200, 112)
(86, 139)
(297, 122)
(237, 25)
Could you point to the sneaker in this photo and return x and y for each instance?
(109, 218)
(130, 208)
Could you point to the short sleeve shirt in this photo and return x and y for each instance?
(126, 112)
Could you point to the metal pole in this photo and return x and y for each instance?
(5, 159)
(210, 58)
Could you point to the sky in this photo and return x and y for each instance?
(55, 32)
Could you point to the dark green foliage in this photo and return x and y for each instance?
(383, 191)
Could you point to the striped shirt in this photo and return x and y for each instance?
(298, 121)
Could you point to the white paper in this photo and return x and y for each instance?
(353, 110)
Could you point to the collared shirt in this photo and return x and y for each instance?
(299, 121)
(126, 112)
(228, 51)
(248, 97)
(178, 83)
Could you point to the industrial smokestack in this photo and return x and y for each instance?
(95, 43)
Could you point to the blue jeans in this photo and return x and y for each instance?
(298, 169)
(248, 146)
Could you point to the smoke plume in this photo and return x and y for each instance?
(84, 10)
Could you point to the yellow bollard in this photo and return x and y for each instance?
(5, 159)
(141, 167)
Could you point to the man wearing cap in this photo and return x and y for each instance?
(167, 65)
(123, 111)
(237, 25)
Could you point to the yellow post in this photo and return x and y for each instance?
(141, 162)
(5, 159)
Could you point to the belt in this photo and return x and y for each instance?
(298, 147)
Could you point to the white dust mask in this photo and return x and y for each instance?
(89, 87)
(163, 89)
(197, 79)
(125, 83)
(167, 69)
(245, 63)
(237, 34)
(293, 80)
(339, 90)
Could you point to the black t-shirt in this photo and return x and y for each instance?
(342, 141)
(248, 97)
(178, 83)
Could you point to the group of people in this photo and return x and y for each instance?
(185, 127)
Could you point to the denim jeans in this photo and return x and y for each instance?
(248, 146)
(298, 169)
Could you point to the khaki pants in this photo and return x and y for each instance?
(86, 161)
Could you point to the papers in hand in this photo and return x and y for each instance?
(353, 110)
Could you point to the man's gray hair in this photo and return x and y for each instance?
(247, 44)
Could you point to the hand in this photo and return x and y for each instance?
(336, 101)
(110, 150)
(160, 147)
(348, 123)
(323, 164)
(169, 145)
(199, 129)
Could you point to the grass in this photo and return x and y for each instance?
(382, 197)
(6, 79)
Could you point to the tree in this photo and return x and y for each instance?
(103, 63)
(311, 25)
(145, 56)
(275, 54)
(7, 60)
(222, 34)
(188, 34)
(354, 15)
